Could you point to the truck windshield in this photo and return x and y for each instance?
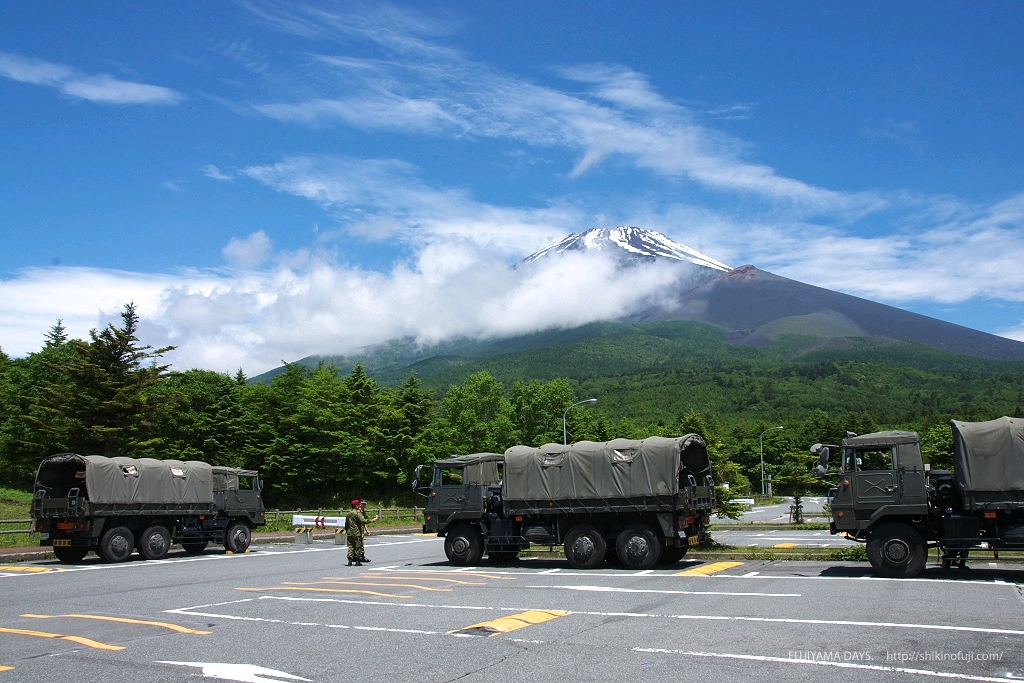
(858, 459)
(448, 476)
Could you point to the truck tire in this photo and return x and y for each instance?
(585, 548)
(155, 542)
(672, 555)
(897, 550)
(70, 554)
(237, 538)
(117, 544)
(638, 547)
(463, 545)
(194, 547)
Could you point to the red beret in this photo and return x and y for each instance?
(355, 503)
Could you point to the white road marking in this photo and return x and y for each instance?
(246, 673)
(666, 574)
(550, 571)
(611, 589)
(816, 662)
(749, 574)
(234, 617)
(640, 615)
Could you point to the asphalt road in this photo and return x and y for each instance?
(779, 514)
(409, 616)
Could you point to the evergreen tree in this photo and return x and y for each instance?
(104, 405)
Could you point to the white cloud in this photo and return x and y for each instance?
(419, 85)
(248, 252)
(211, 171)
(101, 88)
(256, 319)
(384, 198)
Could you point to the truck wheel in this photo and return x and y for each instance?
(585, 548)
(117, 544)
(237, 538)
(897, 550)
(70, 555)
(463, 545)
(155, 542)
(638, 547)
(672, 555)
(195, 547)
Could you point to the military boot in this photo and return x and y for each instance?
(363, 559)
(358, 563)
(349, 563)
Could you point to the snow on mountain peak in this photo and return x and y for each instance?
(637, 243)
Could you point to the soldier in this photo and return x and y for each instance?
(355, 529)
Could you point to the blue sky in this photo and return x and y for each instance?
(270, 180)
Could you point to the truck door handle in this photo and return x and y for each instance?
(890, 489)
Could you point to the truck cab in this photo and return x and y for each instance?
(881, 475)
(457, 487)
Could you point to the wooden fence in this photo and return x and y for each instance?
(29, 530)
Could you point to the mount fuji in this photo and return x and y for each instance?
(752, 307)
(756, 308)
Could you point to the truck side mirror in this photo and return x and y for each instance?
(823, 454)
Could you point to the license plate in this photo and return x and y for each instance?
(61, 542)
(693, 540)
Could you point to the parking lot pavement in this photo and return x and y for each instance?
(784, 538)
(288, 613)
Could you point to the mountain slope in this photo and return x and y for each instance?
(754, 307)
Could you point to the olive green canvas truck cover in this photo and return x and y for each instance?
(128, 481)
(989, 463)
(618, 469)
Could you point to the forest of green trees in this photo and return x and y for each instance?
(319, 436)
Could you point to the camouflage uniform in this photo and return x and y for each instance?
(355, 529)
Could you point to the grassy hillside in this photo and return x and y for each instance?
(655, 372)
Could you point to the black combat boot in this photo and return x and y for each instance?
(363, 559)
(358, 563)
(349, 563)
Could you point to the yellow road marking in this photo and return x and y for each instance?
(5, 668)
(363, 583)
(328, 590)
(78, 639)
(30, 569)
(512, 622)
(430, 571)
(784, 545)
(707, 569)
(417, 577)
(123, 620)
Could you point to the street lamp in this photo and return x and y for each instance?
(566, 413)
(762, 455)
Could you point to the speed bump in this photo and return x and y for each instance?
(708, 569)
(512, 622)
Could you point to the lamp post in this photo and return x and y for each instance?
(565, 440)
(762, 455)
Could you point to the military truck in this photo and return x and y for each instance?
(112, 506)
(890, 499)
(643, 502)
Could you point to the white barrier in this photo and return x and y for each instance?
(305, 524)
